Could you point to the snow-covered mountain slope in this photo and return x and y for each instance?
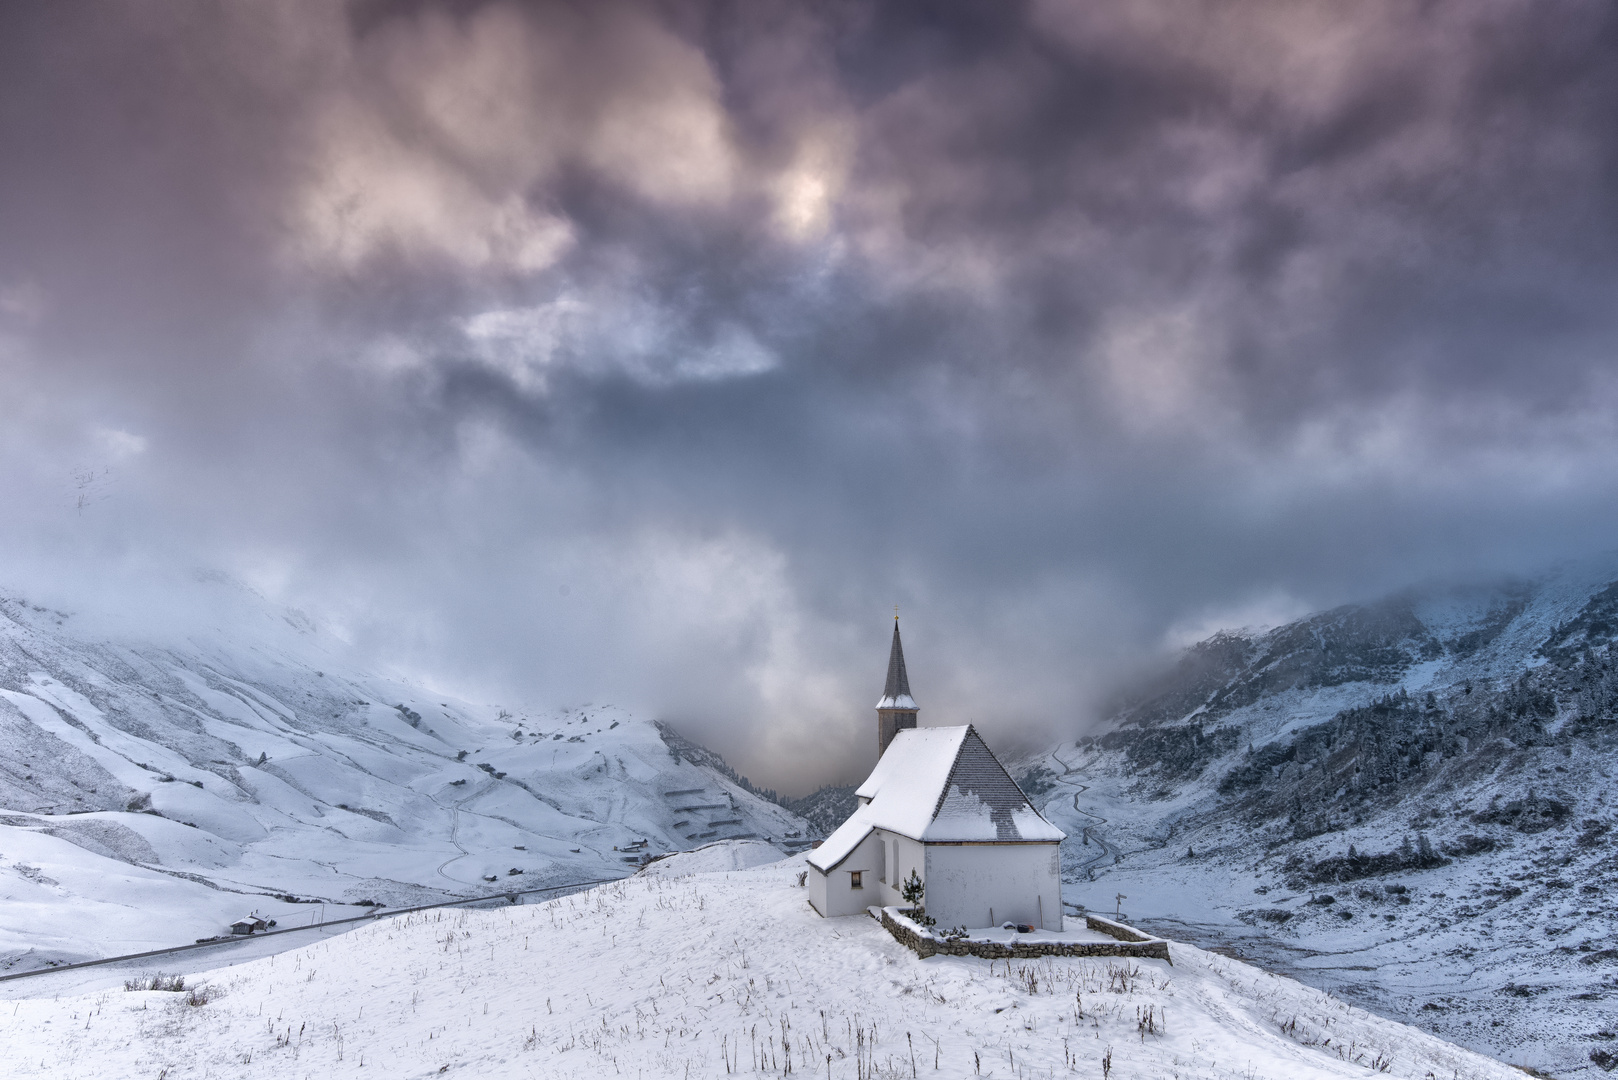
(1408, 802)
(704, 976)
(151, 792)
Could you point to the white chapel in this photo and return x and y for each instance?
(939, 804)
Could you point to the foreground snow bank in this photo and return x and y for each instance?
(702, 976)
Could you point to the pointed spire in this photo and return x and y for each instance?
(897, 709)
(898, 687)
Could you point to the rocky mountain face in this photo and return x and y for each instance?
(1409, 802)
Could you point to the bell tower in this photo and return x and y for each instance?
(897, 709)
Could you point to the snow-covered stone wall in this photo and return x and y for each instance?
(925, 943)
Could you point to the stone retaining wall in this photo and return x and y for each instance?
(1131, 943)
(1121, 931)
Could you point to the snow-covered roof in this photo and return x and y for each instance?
(938, 785)
(903, 701)
(841, 843)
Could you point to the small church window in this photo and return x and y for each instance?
(854, 880)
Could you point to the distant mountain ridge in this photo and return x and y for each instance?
(826, 808)
(1418, 633)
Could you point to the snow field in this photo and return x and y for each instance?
(151, 792)
(712, 858)
(701, 976)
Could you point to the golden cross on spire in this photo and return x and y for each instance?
(895, 612)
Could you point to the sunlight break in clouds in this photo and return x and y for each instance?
(641, 341)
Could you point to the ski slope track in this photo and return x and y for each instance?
(1409, 803)
(153, 791)
(708, 966)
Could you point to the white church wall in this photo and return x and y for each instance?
(905, 855)
(1017, 882)
(832, 893)
(817, 883)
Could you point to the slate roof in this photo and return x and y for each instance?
(938, 785)
(896, 694)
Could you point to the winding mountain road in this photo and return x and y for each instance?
(454, 836)
(458, 808)
(1090, 831)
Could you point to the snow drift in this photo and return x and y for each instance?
(702, 976)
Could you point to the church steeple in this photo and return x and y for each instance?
(897, 709)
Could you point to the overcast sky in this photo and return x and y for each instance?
(653, 352)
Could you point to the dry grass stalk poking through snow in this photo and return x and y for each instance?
(715, 975)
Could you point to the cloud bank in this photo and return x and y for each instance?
(652, 351)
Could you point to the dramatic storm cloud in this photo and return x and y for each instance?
(652, 352)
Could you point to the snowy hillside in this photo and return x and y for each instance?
(1408, 802)
(703, 976)
(152, 791)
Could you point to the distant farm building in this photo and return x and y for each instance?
(251, 923)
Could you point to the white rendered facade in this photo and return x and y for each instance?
(986, 884)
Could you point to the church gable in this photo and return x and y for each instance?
(977, 783)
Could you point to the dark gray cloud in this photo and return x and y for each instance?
(650, 351)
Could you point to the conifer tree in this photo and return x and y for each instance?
(913, 890)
